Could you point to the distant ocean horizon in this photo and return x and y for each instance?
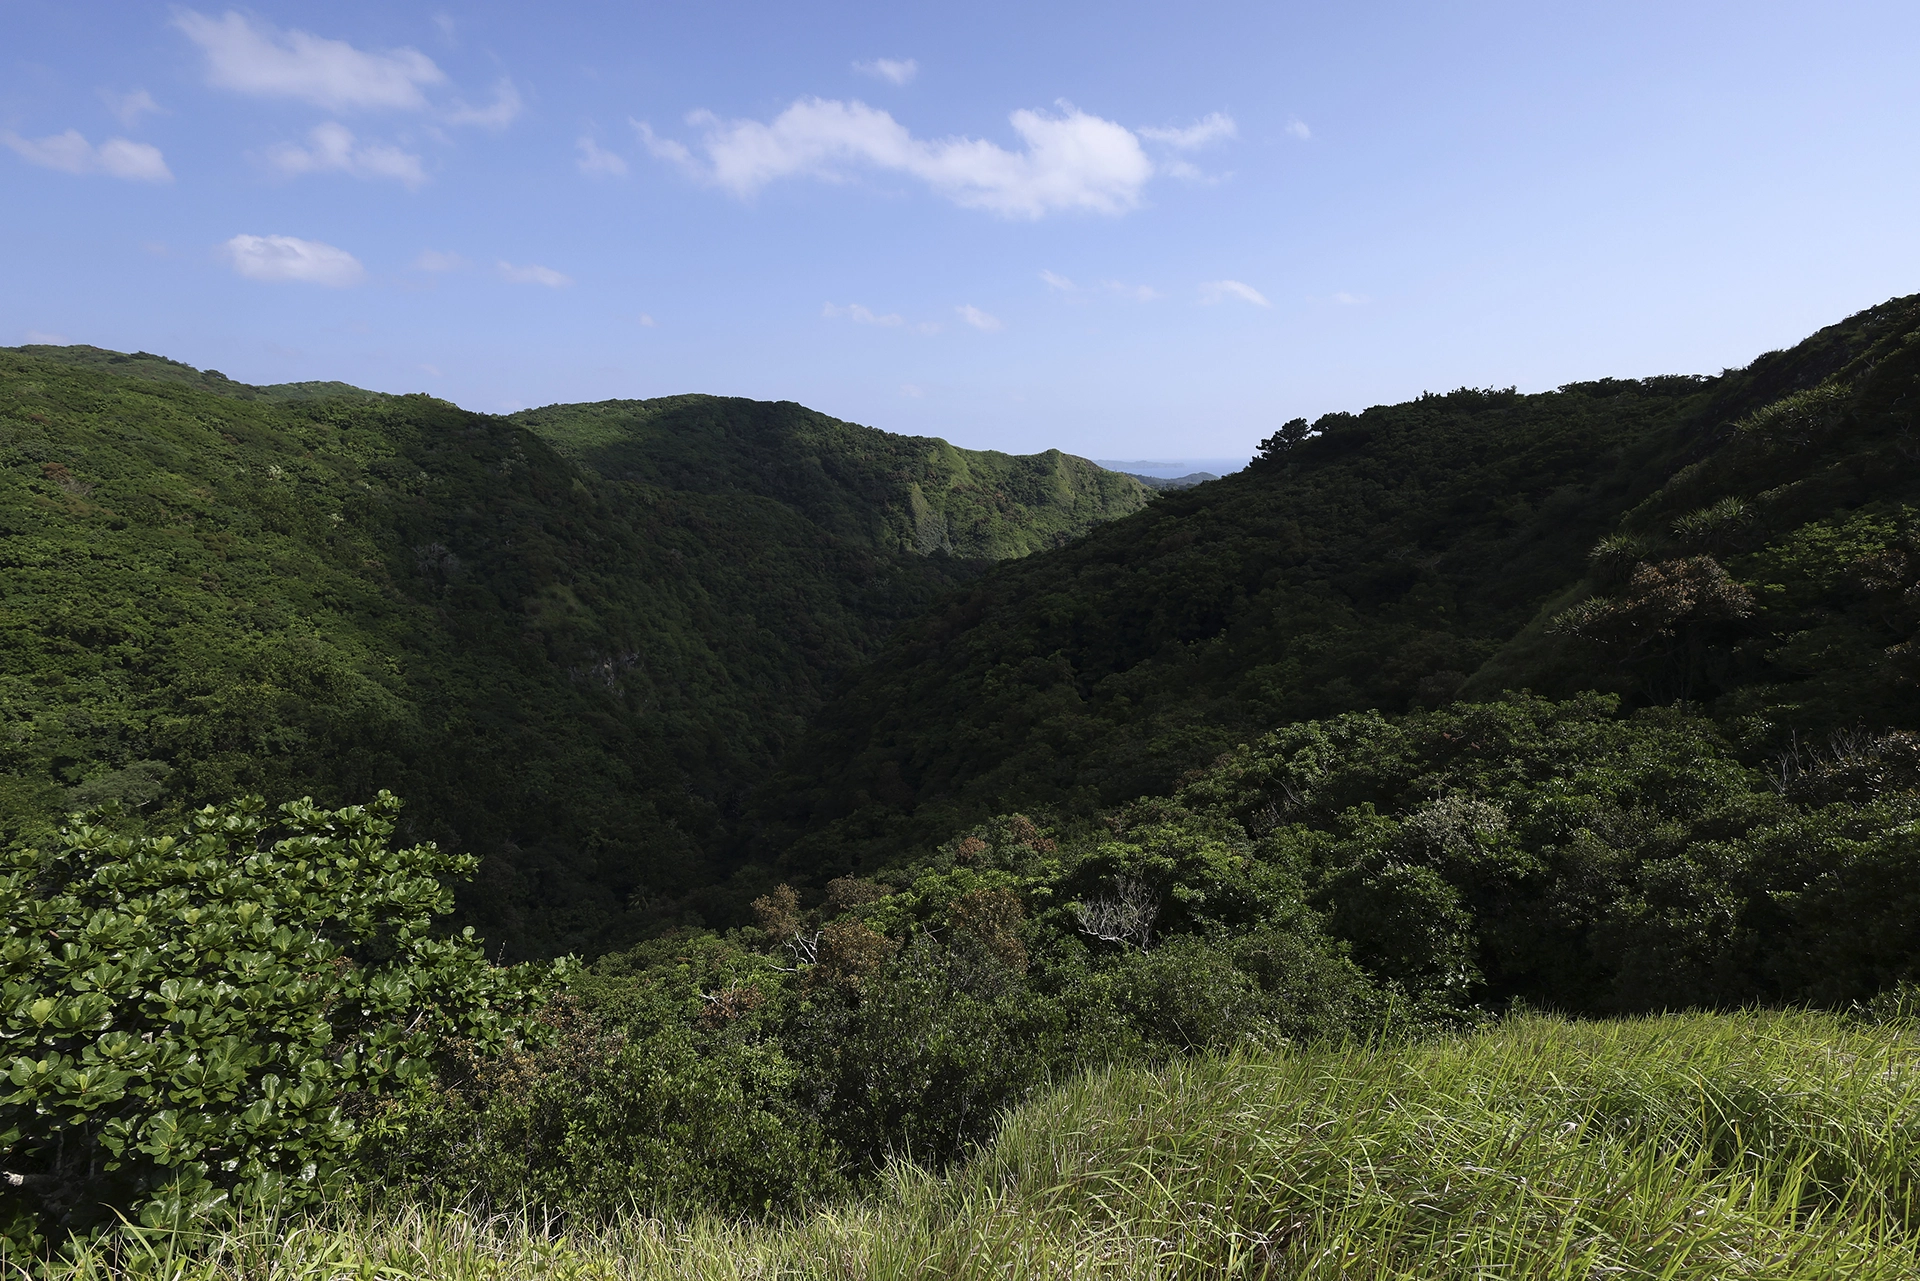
(1173, 469)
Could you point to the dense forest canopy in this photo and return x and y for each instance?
(570, 665)
(1600, 701)
(1742, 541)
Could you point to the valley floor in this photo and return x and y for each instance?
(1692, 1146)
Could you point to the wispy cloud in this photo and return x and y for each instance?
(662, 148)
(333, 149)
(257, 58)
(595, 159)
(861, 316)
(498, 114)
(533, 275)
(977, 318)
(40, 338)
(912, 391)
(1118, 288)
(1070, 161)
(284, 259)
(1219, 290)
(1298, 128)
(70, 152)
(646, 321)
(434, 260)
(1211, 129)
(127, 108)
(896, 71)
(1346, 299)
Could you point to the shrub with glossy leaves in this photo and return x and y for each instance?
(181, 1016)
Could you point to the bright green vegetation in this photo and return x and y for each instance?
(1331, 879)
(208, 589)
(1679, 1148)
(184, 1016)
(1745, 540)
(903, 493)
(1158, 902)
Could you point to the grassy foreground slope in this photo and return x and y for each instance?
(1681, 1148)
(1759, 554)
(207, 588)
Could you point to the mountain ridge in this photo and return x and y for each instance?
(210, 590)
(1392, 559)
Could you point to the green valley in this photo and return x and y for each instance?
(569, 662)
(1481, 838)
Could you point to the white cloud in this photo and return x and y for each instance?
(258, 59)
(861, 316)
(893, 70)
(978, 319)
(1216, 290)
(534, 275)
(127, 108)
(40, 338)
(662, 148)
(445, 22)
(1072, 161)
(434, 260)
(595, 159)
(334, 150)
(499, 114)
(646, 321)
(432, 371)
(1213, 128)
(1298, 128)
(1120, 288)
(278, 259)
(70, 152)
(1346, 299)
(909, 389)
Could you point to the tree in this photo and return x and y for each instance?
(1282, 442)
(182, 1016)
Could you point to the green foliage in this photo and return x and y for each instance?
(902, 493)
(1742, 541)
(575, 674)
(598, 1120)
(182, 1017)
(1692, 1148)
(1376, 562)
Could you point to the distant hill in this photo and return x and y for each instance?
(1171, 469)
(144, 364)
(1173, 482)
(902, 493)
(572, 639)
(1749, 541)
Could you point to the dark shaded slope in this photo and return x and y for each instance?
(1376, 565)
(575, 676)
(1773, 575)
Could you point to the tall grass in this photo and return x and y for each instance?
(1679, 1148)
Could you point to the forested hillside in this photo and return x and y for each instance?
(1251, 773)
(897, 493)
(1741, 540)
(568, 659)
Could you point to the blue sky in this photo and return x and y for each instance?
(1125, 230)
